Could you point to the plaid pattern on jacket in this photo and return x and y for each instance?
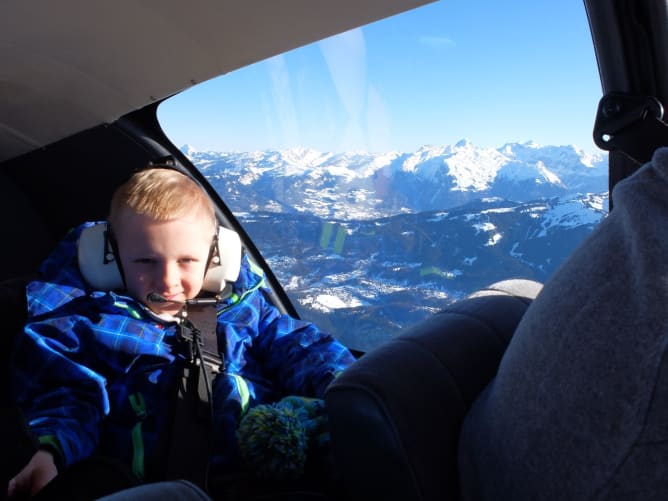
(95, 370)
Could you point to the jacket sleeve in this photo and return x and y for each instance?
(63, 400)
(298, 355)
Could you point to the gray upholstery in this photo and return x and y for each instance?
(177, 490)
(395, 414)
(579, 407)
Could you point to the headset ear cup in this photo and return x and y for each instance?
(97, 262)
(225, 262)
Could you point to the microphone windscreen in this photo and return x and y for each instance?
(154, 297)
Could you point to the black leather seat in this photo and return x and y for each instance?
(18, 442)
(13, 311)
(395, 414)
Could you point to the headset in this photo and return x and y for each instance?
(100, 266)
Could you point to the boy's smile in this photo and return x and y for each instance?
(167, 257)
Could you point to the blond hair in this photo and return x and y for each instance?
(159, 193)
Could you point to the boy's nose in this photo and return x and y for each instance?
(169, 275)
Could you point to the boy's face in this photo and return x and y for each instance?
(164, 257)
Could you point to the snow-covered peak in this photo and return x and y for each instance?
(562, 160)
(474, 168)
(351, 184)
(188, 150)
(463, 143)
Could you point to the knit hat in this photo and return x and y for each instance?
(276, 439)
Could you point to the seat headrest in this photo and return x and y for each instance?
(97, 262)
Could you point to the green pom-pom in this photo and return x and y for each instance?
(273, 441)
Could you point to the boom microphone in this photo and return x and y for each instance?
(154, 297)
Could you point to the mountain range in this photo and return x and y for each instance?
(380, 240)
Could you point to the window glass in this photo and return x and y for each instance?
(394, 168)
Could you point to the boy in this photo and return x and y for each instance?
(94, 370)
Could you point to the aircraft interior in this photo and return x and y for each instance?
(76, 119)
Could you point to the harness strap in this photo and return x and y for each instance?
(201, 320)
(190, 438)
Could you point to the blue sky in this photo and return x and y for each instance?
(492, 72)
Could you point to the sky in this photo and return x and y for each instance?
(487, 71)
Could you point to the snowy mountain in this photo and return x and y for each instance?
(364, 185)
(383, 240)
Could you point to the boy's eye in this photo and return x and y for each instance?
(188, 260)
(151, 261)
(144, 260)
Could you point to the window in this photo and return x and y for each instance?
(394, 168)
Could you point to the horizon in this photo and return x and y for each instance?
(466, 141)
(491, 74)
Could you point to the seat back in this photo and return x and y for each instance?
(395, 414)
(13, 311)
(26, 237)
(18, 444)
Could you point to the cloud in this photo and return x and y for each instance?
(437, 42)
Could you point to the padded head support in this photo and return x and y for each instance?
(97, 260)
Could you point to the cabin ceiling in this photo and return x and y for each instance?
(69, 65)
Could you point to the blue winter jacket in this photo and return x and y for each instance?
(95, 370)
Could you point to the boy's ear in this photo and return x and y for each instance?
(225, 262)
(97, 259)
